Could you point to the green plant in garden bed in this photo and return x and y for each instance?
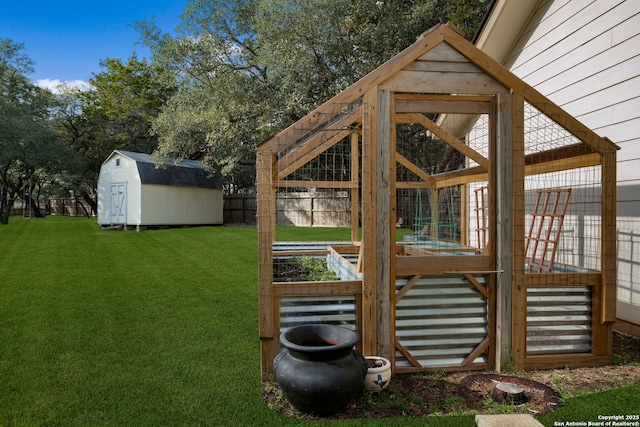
(302, 269)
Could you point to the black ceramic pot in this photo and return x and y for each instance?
(319, 371)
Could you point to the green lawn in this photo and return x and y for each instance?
(123, 328)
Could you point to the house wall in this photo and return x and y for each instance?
(168, 205)
(127, 172)
(585, 57)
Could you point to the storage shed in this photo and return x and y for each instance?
(135, 191)
(482, 220)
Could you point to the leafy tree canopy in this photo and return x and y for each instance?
(30, 150)
(115, 113)
(249, 68)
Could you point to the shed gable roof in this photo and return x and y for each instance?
(186, 173)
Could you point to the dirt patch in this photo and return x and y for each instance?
(442, 393)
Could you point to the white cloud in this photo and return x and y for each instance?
(55, 85)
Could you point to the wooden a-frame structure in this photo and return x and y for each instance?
(444, 74)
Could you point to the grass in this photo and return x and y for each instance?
(589, 408)
(104, 328)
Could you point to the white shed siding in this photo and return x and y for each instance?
(162, 204)
(126, 172)
(585, 56)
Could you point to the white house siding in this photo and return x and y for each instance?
(584, 55)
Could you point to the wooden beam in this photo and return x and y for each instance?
(385, 222)
(265, 212)
(461, 176)
(566, 152)
(299, 252)
(480, 348)
(450, 139)
(298, 289)
(425, 104)
(414, 184)
(293, 183)
(444, 82)
(609, 233)
(558, 165)
(355, 193)
(407, 287)
(367, 261)
(577, 360)
(484, 291)
(446, 99)
(425, 265)
(415, 169)
(407, 354)
(502, 188)
(519, 288)
(539, 280)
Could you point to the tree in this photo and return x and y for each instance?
(115, 113)
(250, 68)
(29, 147)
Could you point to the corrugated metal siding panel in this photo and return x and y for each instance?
(333, 310)
(441, 320)
(558, 320)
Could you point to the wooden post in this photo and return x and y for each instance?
(465, 210)
(519, 298)
(369, 242)
(605, 296)
(385, 222)
(269, 345)
(502, 169)
(355, 195)
(609, 233)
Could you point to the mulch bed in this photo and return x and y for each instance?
(442, 393)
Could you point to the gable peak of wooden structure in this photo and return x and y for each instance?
(443, 37)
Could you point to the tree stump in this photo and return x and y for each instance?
(504, 392)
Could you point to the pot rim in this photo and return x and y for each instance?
(377, 369)
(334, 338)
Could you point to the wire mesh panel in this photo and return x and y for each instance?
(431, 153)
(563, 198)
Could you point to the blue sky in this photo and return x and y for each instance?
(67, 38)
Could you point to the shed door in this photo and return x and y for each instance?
(118, 204)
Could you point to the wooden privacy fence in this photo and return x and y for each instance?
(70, 206)
(304, 208)
(239, 208)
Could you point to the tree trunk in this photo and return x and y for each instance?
(35, 209)
(504, 392)
(6, 211)
(92, 204)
